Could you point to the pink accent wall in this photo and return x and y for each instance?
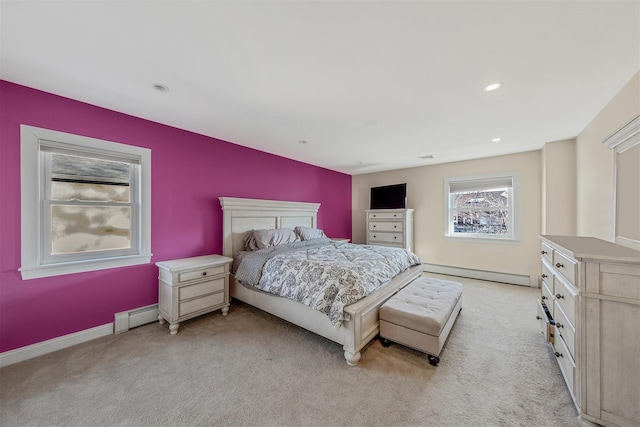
(189, 173)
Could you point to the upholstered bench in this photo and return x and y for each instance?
(421, 315)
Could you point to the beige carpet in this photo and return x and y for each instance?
(250, 368)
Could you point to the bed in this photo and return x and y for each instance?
(360, 323)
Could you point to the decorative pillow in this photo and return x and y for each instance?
(250, 243)
(308, 233)
(271, 237)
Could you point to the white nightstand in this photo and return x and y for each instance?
(190, 287)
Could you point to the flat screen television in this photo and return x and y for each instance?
(389, 197)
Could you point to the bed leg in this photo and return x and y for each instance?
(351, 358)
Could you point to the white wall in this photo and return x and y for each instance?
(425, 194)
(594, 163)
(559, 188)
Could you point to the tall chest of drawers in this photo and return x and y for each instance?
(390, 227)
(589, 312)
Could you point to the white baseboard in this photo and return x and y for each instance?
(28, 352)
(137, 317)
(492, 276)
(129, 319)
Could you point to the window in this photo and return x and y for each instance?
(85, 203)
(482, 207)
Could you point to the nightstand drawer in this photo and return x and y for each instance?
(197, 274)
(204, 303)
(202, 288)
(385, 226)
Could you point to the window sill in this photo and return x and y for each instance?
(487, 240)
(50, 270)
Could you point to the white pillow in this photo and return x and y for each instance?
(308, 233)
(272, 237)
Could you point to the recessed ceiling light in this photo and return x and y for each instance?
(496, 140)
(160, 88)
(427, 156)
(492, 86)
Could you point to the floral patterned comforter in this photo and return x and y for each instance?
(322, 275)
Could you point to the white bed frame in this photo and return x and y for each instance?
(361, 322)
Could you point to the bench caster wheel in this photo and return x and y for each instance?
(385, 342)
(433, 360)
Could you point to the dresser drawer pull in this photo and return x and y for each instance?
(204, 273)
(559, 296)
(374, 226)
(559, 325)
(544, 297)
(538, 317)
(558, 265)
(395, 237)
(544, 252)
(558, 354)
(544, 276)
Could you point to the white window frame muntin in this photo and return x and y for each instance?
(31, 139)
(514, 220)
(47, 203)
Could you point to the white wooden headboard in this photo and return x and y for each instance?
(242, 215)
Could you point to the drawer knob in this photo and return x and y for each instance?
(395, 237)
(374, 236)
(374, 226)
(204, 273)
(559, 325)
(558, 354)
(544, 297)
(544, 276)
(558, 265)
(544, 252)
(559, 296)
(395, 226)
(538, 317)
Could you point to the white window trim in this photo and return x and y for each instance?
(514, 238)
(30, 175)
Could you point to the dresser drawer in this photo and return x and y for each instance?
(547, 252)
(386, 238)
(547, 298)
(565, 330)
(566, 363)
(386, 215)
(202, 288)
(197, 274)
(204, 303)
(385, 226)
(565, 266)
(544, 322)
(566, 298)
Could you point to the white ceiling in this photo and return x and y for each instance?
(370, 86)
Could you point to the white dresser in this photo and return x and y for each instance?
(390, 227)
(589, 311)
(190, 287)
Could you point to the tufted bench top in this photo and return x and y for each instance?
(424, 305)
